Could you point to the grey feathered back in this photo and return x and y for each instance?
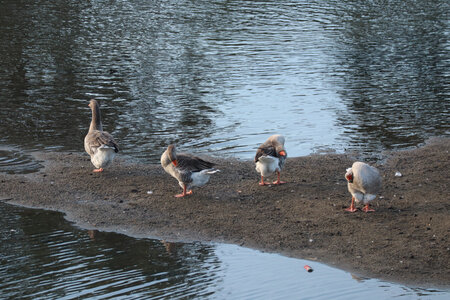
(272, 146)
(186, 164)
(366, 179)
(96, 137)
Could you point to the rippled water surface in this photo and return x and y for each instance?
(14, 161)
(221, 76)
(215, 77)
(42, 256)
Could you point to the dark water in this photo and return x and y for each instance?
(58, 261)
(215, 77)
(221, 76)
(15, 161)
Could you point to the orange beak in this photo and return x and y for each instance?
(282, 153)
(175, 163)
(349, 178)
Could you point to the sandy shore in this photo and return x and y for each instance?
(405, 240)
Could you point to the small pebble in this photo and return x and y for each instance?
(149, 192)
(398, 174)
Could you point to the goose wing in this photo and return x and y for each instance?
(265, 150)
(96, 139)
(187, 162)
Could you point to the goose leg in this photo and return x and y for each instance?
(367, 208)
(261, 183)
(352, 206)
(184, 192)
(98, 170)
(278, 180)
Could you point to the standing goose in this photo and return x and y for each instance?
(99, 144)
(189, 170)
(364, 183)
(270, 157)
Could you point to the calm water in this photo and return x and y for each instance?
(215, 77)
(58, 261)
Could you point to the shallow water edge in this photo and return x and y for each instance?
(303, 218)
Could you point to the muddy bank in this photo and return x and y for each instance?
(405, 240)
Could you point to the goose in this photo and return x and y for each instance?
(188, 169)
(364, 183)
(99, 144)
(270, 157)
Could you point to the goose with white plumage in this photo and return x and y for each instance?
(271, 157)
(364, 183)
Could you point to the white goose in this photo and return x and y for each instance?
(99, 144)
(270, 157)
(189, 170)
(364, 183)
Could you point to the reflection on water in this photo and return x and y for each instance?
(221, 76)
(217, 76)
(393, 62)
(43, 257)
(14, 161)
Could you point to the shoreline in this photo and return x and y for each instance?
(405, 240)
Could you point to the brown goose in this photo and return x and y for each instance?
(189, 170)
(270, 157)
(99, 144)
(364, 183)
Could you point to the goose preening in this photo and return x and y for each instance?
(188, 169)
(364, 183)
(270, 157)
(99, 144)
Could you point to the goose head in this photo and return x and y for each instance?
(93, 104)
(278, 141)
(170, 156)
(349, 175)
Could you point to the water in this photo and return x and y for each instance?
(56, 260)
(15, 161)
(219, 77)
(214, 77)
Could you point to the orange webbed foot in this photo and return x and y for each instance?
(367, 209)
(279, 182)
(183, 194)
(351, 209)
(98, 170)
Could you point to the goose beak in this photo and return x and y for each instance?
(349, 178)
(175, 162)
(282, 153)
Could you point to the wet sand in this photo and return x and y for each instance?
(405, 240)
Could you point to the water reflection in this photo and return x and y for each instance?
(42, 256)
(14, 161)
(393, 69)
(221, 76)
